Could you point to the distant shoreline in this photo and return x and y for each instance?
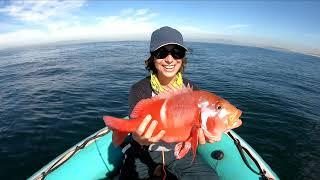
(213, 42)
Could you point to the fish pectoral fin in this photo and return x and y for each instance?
(194, 141)
(181, 149)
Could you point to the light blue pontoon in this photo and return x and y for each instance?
(96, 158)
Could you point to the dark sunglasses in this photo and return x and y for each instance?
(176, 52)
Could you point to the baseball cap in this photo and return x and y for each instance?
(164, 36)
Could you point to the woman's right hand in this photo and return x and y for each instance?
(143, 135)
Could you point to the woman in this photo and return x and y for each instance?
(142, 153)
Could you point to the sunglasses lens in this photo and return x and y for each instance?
(161, 53)
(177, 53)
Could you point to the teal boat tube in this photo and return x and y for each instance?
(96, 158)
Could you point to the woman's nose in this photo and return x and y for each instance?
(169, 59)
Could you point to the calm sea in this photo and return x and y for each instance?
(51, 97)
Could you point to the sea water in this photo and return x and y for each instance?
(53, 96)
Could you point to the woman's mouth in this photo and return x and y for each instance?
(168, 68)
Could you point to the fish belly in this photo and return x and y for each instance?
(177, 134)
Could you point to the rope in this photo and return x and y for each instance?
(163, 164)
(240, 149)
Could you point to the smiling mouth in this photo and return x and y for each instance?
(169, 67)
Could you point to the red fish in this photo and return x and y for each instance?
(181, 113)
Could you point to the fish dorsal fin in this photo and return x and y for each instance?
(173, 92)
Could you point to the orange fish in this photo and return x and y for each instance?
(181, 113)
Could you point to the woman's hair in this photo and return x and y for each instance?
(151, 67)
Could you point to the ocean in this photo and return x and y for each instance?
(53, 96)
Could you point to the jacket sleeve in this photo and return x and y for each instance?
(138, 91)
(194, 86)
(134, 97)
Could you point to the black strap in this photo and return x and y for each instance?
(240, 149)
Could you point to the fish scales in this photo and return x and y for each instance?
(181, 111)
(182, 114)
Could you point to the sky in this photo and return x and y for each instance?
(292, 25)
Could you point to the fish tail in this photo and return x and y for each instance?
(122, 125)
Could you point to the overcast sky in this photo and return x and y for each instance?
(292, 25)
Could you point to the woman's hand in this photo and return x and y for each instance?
(143, 134)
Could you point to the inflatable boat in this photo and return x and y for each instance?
(96, 158)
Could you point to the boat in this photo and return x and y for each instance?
(96, 158)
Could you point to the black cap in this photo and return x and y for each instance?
(164, 36)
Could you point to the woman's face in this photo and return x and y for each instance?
(168, 66)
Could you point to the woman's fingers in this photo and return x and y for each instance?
(150, 129)
(157, 137)
(143, 125)
(143, 134)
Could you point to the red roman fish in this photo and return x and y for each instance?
(181, 113)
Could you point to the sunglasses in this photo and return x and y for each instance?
(176, 52)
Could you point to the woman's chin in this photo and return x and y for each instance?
(169, 74)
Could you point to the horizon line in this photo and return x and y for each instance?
(219, 41)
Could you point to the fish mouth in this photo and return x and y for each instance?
(234, 117)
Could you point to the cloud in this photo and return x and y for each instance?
(6, 26)
(23, 37)
(193, 33)
(129, 24)
(36, 22)
(35, 11)
(127, 11)
(234, 29)
(142, 12)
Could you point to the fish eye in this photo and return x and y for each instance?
(219, 107)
